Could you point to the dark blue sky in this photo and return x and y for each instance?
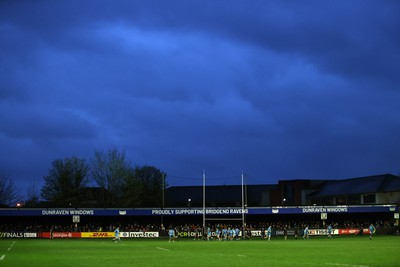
(278, 89)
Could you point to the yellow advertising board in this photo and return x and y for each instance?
(97, 234)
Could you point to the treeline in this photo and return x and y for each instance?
(107, 180)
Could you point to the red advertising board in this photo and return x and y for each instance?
(352, 231)
(60, 235)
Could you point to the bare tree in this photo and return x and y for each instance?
(8, 192)
(109, 170)
(65, 181)
(33, 195)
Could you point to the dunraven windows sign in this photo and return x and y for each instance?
(198, 211)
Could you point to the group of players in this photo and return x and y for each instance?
(229, 234)
(224, 234)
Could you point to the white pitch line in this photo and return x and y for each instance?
(346, 265)
(11, 246)
(239, 255)
(165, 249)
(2, 257)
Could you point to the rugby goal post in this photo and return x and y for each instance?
(223, 218)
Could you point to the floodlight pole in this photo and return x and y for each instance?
(243, 222)
(163, 190)
(163, 199)
(204, 200)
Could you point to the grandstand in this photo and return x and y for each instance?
(378, 189)
(350, 205)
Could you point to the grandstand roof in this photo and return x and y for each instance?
(217, 194)
(364, 185)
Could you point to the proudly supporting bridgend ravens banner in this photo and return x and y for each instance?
(198, 211)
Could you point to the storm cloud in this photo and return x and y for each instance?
(276, 89)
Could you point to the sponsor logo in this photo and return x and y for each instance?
(62, 235)
(101, 234)
(143, 234)
(256, 232)
(67, 212)
(187, 234)
(318, 232)
(281, 232)
(14, 235)
(139, 234)
(97, 234)
(349, 231)
(325, 210)
(30, 235)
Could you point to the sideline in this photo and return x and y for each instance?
(2, 257)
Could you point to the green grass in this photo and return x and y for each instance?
(351, 251)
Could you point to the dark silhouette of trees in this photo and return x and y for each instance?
(33, 195)
(65, 181)
(109, 171)
(108, 182)
(143, 187)
(8, 192)
(124, 186)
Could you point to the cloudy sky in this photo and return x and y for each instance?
(276, 89)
